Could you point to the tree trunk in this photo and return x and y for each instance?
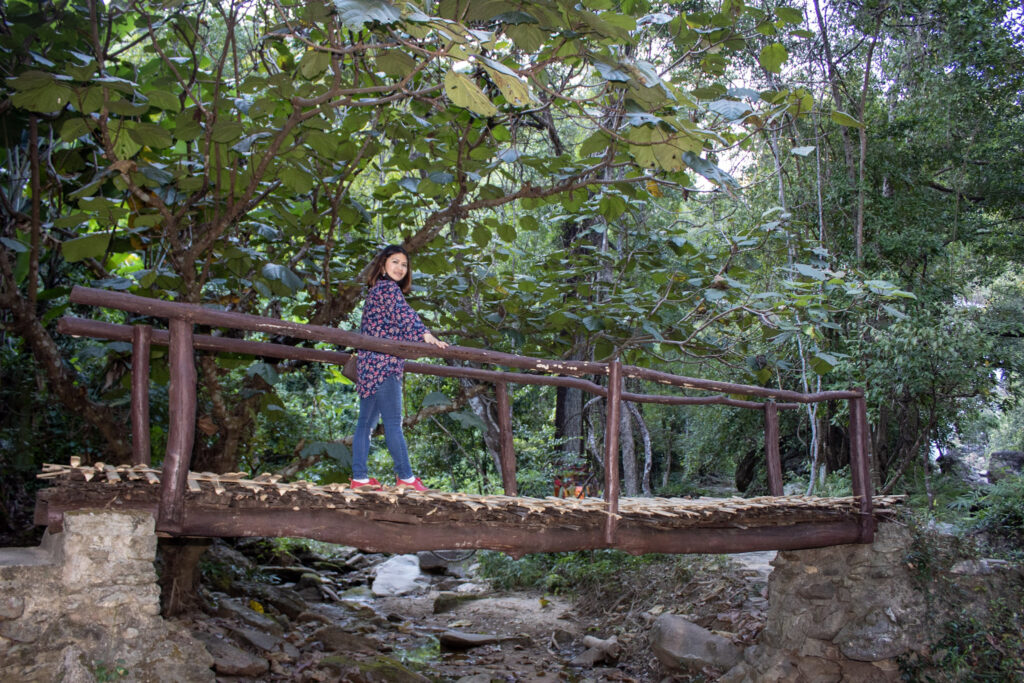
(627, 450)
(180, 574)
(482, 408)
(645, 478)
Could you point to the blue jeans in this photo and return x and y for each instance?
(385, 403)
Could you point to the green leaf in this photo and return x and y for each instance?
(226, 131)
(151, 135)
(772, 56)
(790, 15)
(598, 142)
(526, 37)
(284, 275)
(822, 363)
(731, 110)
(13, 245)
(87, 246)
(467, 419)
(264, 370)
(481, 236)
(436, 398)
(314, 63)
(395, 63)
(802, 151)
(50, 98)
(164, 100)
(844, 119)
(296, 179)
(465, 93)
(335, 450)
(507, 232)
(75, 128)
(355, 13)
(516, 92)
(709, 170)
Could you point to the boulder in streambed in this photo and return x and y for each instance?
(397, 576)
(681, 644)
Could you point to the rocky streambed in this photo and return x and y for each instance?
(369, 617)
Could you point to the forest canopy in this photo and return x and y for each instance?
(804, 195)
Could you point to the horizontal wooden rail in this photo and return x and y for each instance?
(194, 313)
(83, 327)
(730, 388)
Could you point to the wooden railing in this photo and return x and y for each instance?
(183, 342)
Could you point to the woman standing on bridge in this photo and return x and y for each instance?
(387, 315)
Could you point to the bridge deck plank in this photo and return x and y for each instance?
(398, 520)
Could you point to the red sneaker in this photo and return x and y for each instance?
(372, 485)
(415, 484)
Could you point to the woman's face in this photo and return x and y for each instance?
(395, 266)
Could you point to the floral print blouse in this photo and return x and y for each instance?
(387, 315)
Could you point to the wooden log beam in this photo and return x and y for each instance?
(141, 340)
(771, 448)
(182, 429)
(507, 455)
(375, 535)
(81, 327)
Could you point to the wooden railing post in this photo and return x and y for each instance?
(142, 336)
(611, 448)
(860, 466)
(507, 455)
(771, 447)
(182, 428)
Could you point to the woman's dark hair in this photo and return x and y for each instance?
(377, 267)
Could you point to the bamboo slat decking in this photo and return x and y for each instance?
(397, 520)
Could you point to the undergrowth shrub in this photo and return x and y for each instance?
(979, 628)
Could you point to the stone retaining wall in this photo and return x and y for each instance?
(84, 605)
(846, 613)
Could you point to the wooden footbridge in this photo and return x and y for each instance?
(187, 503)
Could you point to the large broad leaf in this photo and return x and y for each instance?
(395, 63)
(120, 131)
(731, 110)
(640, 147)
(790, 15)
(527, 37)
(709, 170)
(355, 13)
(844, 119)
(465, 93)
(822, 363)
(163, 100)
(515, 90)
(670, 147)
(467, 419)
(151, 135)
(335, 450)
(284, 275)
(314, 63)
(772, 56)
(611, 73)
(50, 98)
(436, 398)
(89, 246)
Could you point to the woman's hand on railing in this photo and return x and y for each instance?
(431, 339)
